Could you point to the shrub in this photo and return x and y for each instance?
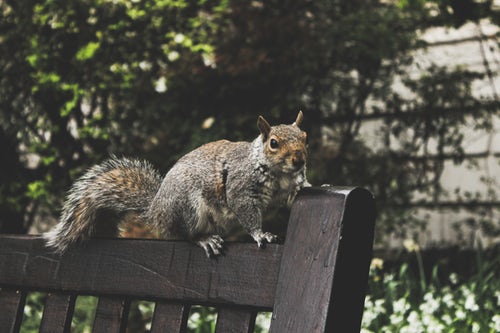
(405, 301)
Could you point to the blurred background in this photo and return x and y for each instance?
(399, 96)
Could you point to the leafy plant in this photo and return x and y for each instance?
(81, 79)
(402, 301)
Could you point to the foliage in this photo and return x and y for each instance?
(402, 301)
(202, 319)
(156, 78)
(79, 80)
(33, 311)
(82, 320)
(84, 314)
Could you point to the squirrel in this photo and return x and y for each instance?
(201, 196)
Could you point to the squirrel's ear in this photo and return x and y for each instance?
(298, 121)
(264, 127)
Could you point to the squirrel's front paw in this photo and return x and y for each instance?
(264, 237)
(212, 245)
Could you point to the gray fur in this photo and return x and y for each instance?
(116, 199)
(200, 198)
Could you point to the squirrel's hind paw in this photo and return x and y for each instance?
(212, 245)
(264, 237)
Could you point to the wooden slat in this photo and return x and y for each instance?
(353, 263)
(235, 320)
(11, 309)
(145, 269)
(324, 268)
(169, 318)
(111, 315)
(57, 313)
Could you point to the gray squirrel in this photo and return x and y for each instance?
(200, 198)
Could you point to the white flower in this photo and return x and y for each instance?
(475, 327)
(430, 305)
(173, 55)
(368, 317)
(470, 303)
(401, 306)
(211, 317)
(460, 314)
(209, 60)
(179, 38)
(194, 320)
(413, 317)
(379, 306)
(495, 323)
(447, 319)
(161, 85)
(372, 310)
(432, 324)
(145, 65)
(448, 300)
(388, 278)
(263, 319)
(414, 324)
(396, 319)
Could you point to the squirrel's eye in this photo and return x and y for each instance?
(273, 143)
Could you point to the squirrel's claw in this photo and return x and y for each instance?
(212, 245)
(264, 237)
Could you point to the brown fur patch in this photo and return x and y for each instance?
(133, 227)
(79, 214)
(219, 188)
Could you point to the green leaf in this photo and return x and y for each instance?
(32, 59)
(70, 105)
(47, 160)
(135, 13)
(37, 189)
(88, 51)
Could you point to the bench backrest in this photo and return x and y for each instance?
(315, 282)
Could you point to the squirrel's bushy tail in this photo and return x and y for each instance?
(117, 186)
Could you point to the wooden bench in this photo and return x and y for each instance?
(315, 282)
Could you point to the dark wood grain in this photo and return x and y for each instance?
(235, 320)
(111, 315)
(329, 238)
(144, 269)
(11, 309)
(353, 263)
(315, 282)
(57, 313)
(169, 318)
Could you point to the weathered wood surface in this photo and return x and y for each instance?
(111, 315)
(144, 269)
(324, 270)
(235, 320)
(57, 313)
(11, 309)
(169, 318)
(315, 282)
